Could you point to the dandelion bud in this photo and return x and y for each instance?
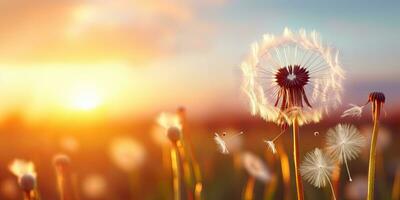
(174, 134)
(27, 182)
(61, 161)
(376, 96)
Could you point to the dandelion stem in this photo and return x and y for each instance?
(347, 168)
(296, 158)
(330, 184)
(372, 153)
(249, 190)
(177, 170)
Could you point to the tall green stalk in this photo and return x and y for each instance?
(296, 159)
(372, 153)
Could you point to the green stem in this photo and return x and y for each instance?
(296, 158)
(177, 170)
(372, 153)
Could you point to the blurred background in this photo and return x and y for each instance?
(81, 77)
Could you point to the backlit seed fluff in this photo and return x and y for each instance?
(353, 111)
(293, 75)
(255, 167)
(221, 144)
(344, 142)
(317, 168)
(271, 146)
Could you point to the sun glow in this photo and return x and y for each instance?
(85, 99)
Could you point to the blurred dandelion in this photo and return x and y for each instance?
(94, 186)
(377, 99)
(20, 167)
(26, 174)
(317, 169)
(168, 120)
(257, 170)
(292, 79)
(353, 111)
(255, 167)
(126, 153)
(65, 183)
(344, 143)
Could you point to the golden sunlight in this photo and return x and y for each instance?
(85, 99)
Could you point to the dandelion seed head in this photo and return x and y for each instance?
(255, 167)
(293, 75)
(61, 161)
(126, 153)
(271, 146)
(376, 96)
(353, 111)
(344, 142)
(317, 168)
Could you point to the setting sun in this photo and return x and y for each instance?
(85, 99)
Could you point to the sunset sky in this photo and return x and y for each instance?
(138, 57)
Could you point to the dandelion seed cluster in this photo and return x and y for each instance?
(293, 75)
(344, 142)
(317, 168)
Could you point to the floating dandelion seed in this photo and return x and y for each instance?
(317, 169)
(293, 75)
(255, 167)
(353, 111)
(271, 143)
(344, 143)
(221, 144)
(227, 142)
(316, 133)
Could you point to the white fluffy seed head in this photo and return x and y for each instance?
(317, 168)
(344, 142)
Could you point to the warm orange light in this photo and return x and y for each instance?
(85, 99)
